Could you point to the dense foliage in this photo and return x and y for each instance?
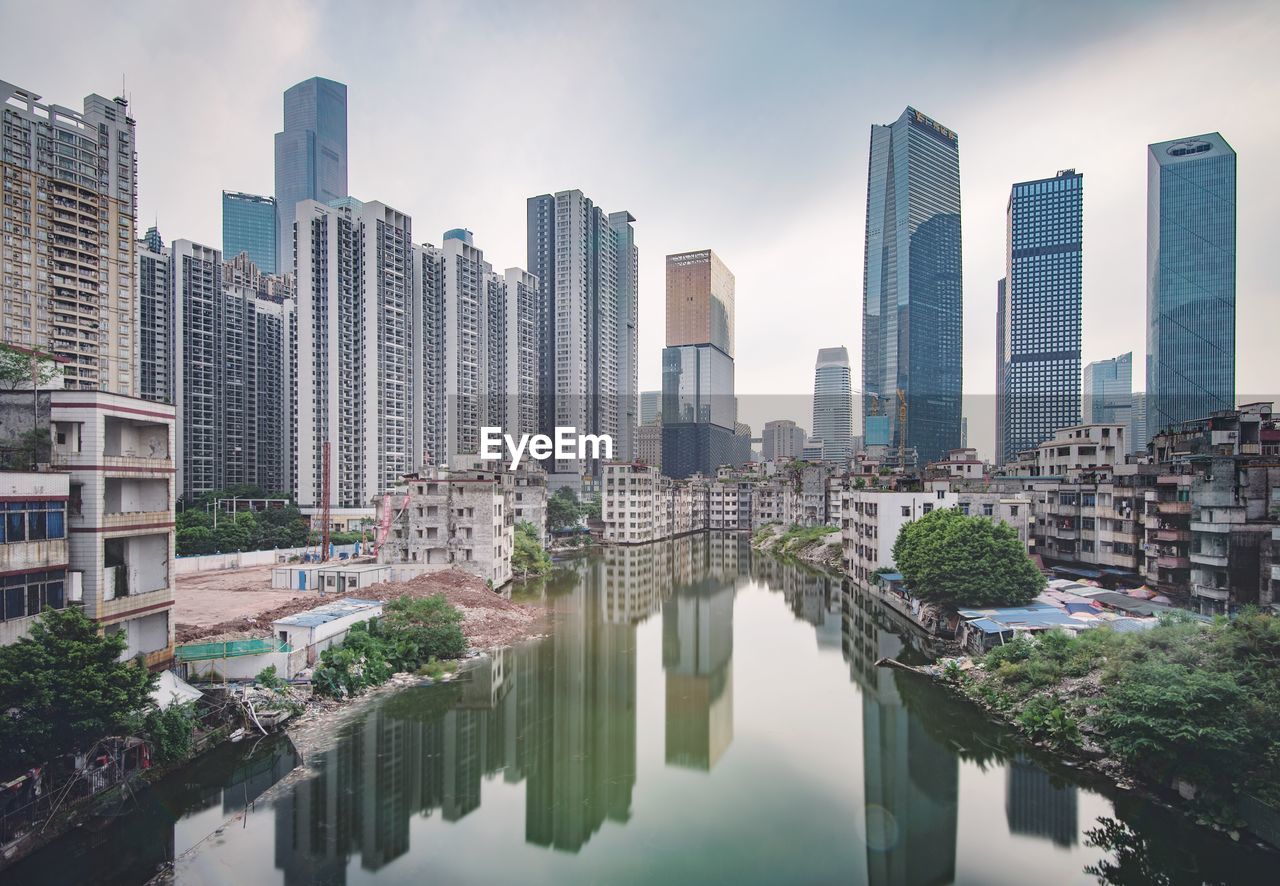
(528, 557)
(1185, 700)
(414, 634)
(171, 732)
(64, 687)
(563, 510)
(965, 561)
(794, 538)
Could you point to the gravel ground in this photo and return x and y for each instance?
(488, 619)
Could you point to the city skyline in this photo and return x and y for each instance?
(660, 174)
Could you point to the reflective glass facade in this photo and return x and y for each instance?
(1108, 391)
(311, 155)
(249, 225)
(833, 404)
(1191, 279)
(699, 412)
(1041, 310)
(912, 294)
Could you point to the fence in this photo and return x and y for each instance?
(229, 649)
(214, 562)
(29, 814)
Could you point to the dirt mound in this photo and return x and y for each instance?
(488, 620)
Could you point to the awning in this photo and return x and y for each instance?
(172, 689)
(1078, 571)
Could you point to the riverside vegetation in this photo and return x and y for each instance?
(816, 544)
(1186, 703)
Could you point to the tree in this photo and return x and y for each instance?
(591, 508)
(527, 556)
(64, 687)
(562, 509)
(423, 628)
(965, 561)
(194, 540)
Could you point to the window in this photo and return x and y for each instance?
(906, 511)
(31, 593)
(33, 521)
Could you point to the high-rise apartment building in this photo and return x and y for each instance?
(912, 293)
(628, 282)
(68, 192)
(585, 262)
(229, 370)
(833, 404)
(249, 226)
(1041, 310)
(355, 368)
(311, 155)
(154, 320)
(1108, 391)
(1002, 367)
(782, 439)
(1191, 279)
(700, 300)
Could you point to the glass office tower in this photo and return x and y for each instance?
(912, 302)
(311, 155)
(699, 412)
(833, 405)
(1191, 279)
(1041, 310)
(1108, 391)
(249, 225)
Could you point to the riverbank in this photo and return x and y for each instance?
(1186, 712)
(819, 545)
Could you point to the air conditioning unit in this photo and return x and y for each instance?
(75, 587)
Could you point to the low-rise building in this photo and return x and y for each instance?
(636, 503)
(118, 452)
(1079, 447)
(871, 521)
(459, 518)
(34, 558)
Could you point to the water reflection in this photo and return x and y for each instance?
(618, 744)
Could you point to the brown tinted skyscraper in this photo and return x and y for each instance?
(699, 300)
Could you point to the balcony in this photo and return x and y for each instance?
(1210, 558)
(1172, 561)
(1173, 507)
(1210, 593)
(1170, 535)
(1220, 528)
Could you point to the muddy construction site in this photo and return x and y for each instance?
(240, 603)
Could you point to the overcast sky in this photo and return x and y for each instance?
(739, 126)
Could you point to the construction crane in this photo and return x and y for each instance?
(324, 505)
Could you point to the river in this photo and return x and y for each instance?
(698, 713)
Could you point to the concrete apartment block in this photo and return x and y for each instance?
(462, 519)
(33, 550)
(118, 452)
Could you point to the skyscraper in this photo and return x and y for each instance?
(912, 294)
(1041, 310)
(1191, 279)
(781, 439)
(1141, 436)
(700, 301)
(628, 277)
(155, 320)
(228, 375)
(311, 155)
(68, 188)
(585, 260)
(650, 407)
(1002, 366)
(1108, 392)
(356, 384)
(833, 405)
(699, 409)
(249, 225)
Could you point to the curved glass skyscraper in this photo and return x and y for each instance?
(833, 405)
(1191, 279)
(311, 155)
(912, 304)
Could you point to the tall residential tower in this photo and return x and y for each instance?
(68, 184)
(912, 309)
(1191, 279)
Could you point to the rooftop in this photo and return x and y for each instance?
(329, 612)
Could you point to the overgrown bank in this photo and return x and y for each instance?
(1187, 706)
(814, 544)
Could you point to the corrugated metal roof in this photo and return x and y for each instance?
(328, 612)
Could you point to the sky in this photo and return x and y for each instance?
(742, 127)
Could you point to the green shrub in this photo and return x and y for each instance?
(171, 732)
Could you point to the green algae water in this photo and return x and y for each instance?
(698, 714)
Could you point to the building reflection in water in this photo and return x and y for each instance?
(558, 714)
(911, 778)
(1037, 807)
